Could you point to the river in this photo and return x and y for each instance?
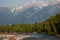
(41, 37)
(38, 36)
(1, 38)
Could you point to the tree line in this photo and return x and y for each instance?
(50, 26)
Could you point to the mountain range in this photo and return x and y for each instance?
(29, 13)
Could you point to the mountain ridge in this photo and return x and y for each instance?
(31, 14)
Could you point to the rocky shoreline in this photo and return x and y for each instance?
(14, 37)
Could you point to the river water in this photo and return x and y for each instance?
(37, 36)
(1, 38)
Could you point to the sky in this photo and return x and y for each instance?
(6, 3)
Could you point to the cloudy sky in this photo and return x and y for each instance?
(5, 3)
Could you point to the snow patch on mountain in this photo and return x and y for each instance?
(39, 4)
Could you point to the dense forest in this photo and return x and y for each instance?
(50, 26)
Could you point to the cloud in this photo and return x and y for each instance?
(58, 0)
(26, 4)
(34, 1)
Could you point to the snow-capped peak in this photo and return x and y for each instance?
(19, 7)
(13, 10)
(39, 4)
(16, 8)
